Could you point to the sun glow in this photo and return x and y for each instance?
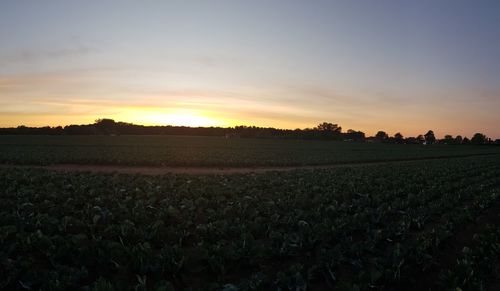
(175, 117)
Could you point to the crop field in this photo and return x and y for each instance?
(409, 225)
(211, 151)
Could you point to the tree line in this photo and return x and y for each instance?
(430, 138)
(323, 131)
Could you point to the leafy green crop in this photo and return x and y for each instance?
(349, 228)
(476, 263)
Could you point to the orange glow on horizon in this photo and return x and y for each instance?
(206, 118)
(176, 117)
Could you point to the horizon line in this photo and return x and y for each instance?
(234, 126)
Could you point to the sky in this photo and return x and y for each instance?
(398, 66)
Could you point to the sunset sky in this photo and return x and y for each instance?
(394, 65)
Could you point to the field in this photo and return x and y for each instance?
(402, 225)
(210, 151)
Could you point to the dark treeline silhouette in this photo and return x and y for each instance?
(324, 131)
(430, 138)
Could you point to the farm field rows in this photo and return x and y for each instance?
(372, 227)
(210, 151)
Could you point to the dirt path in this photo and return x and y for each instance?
(157, 170)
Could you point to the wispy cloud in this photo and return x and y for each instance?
(29, 56)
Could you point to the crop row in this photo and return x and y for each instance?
(369, 227)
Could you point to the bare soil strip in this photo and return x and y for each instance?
(162, 170)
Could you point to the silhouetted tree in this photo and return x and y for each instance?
(381, 135)
(465, 140)
(448, 139)
(420, 139)
(398, 138)
(429, 137)
(355, 135)
(458, 139)
(105, 126)
(479, 138)
(326, 130)
(327, 126)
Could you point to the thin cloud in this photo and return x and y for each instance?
(28, 56)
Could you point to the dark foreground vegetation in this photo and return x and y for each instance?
(324, 131)
(212, 151)
(351, 228)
